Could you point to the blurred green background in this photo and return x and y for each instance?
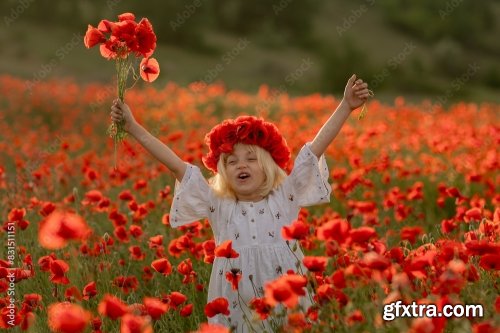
(441, 50)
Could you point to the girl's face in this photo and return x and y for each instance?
(244, 173)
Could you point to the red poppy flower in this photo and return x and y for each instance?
(105, 26)
(17, 215)
(454, 192)
(217, 306)
(93, 36)
(147, 274)
(155, 241)
(185, 268)
(9, 317)
(417, 266)
(208, 251)
(373, 260)
(58, 269)
(32, 302)
(117, 218)
(286, 290)
(149, 69)
(72, 293)
(338, 279)
(362, 234)
(315, 264)
(140, 184)
(146, 38)
(135, 324)
(490, 261)
(68, 318)
(415, 193)
(109, 49)
(19, 273)
(89, 290)
(176, 298)
(336, 229)
(485, 327)
(297, 321)
(448, 225)
(112, 307)
(136, 230)
(126, 283)
(121, 233)
(296, 282)
(212, 328)
(5, 263)
(279, 291)
(124, 31)
(234, 277)
(165, 192)
(92, 197)
(225, 250)
(4, 272)
(44, 262)
(136, 253)
(329, 293)
(96, 325)
(155, 307)
(60, 227)
(165, 219)
(22, 274)
(126, 16)
(260, 306)
(27, 321)
(186, 310)
(473, 214)
(125, 195)
(178, 245)
(162, 266)
(325, 293)
(297, 230)
(410, 233)
(137, 309)
(480, 247)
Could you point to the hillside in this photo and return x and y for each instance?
(347, 37)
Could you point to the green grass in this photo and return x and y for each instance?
(33, 48)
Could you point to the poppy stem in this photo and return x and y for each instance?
(115, 154)
(299, 263)
(116, 130)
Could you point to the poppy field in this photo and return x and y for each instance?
(87, 247)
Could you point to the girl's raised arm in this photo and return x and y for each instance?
(355, 94)
(155, 147)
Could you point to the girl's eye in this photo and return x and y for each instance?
(231, 162)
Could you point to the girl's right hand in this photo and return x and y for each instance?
(119, 111)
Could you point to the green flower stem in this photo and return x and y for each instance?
(117, 130)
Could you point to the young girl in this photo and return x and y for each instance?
(250, 198)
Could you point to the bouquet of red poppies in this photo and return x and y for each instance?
(124, 42)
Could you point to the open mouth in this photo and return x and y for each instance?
(243, 176)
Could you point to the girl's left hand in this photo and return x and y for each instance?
(356, 92)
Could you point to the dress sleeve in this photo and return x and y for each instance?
(191, 198)
(309, 178)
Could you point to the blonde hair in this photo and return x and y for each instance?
(274, 175)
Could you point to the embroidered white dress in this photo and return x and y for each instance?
(255, 231)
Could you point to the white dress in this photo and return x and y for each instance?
(255, 231)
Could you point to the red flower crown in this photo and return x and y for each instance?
(248, 130)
